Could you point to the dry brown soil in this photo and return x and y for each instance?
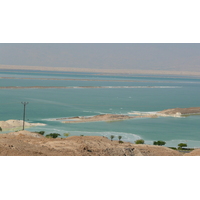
(25, 143)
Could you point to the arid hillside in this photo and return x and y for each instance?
(25, 143)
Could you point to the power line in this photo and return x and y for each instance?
(24, 103)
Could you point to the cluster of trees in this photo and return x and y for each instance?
(52, 135)
(55, 135)
(119, 137)
(161, 143)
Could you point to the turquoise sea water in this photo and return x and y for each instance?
(162, 92)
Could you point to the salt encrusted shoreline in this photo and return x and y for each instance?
(97, 118)
(176, 112)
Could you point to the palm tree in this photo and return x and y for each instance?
(0, 129)
(111, 137)
(120, 137)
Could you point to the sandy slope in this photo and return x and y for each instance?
(25, 143)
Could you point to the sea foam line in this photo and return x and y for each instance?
(83, 87)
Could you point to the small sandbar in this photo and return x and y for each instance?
(176, 112)
(103, 117)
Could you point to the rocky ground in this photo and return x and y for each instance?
(25, 143)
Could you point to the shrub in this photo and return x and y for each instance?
(174, 148)
(66, 134)
(159, 142)
(40, 132)
(53, 135)
(139, 141)
(121, 141)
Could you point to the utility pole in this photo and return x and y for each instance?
(24, 103)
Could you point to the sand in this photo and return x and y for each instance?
(25, 143)
(181, 111)
(97, 118)
(15, 124)
(108, 71)
(176, 112)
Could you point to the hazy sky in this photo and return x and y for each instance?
(104, 56)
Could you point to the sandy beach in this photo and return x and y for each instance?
(107, 71)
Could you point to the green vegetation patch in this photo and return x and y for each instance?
(40, 132)
(53, 135)
(139, 141)
(159, 143)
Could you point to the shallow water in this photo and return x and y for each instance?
(47, 104)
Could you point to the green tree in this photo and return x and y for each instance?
(139, 141)
(0, 129)
(119, 137)
(53, 135)
(159, 142)
(66, 134)
(181, 145)
(111, 137)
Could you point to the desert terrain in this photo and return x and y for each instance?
(25, 143)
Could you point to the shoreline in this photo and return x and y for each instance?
(82, 87)
(105, 71)
(176, 112)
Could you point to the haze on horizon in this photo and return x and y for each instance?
(134, 56)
